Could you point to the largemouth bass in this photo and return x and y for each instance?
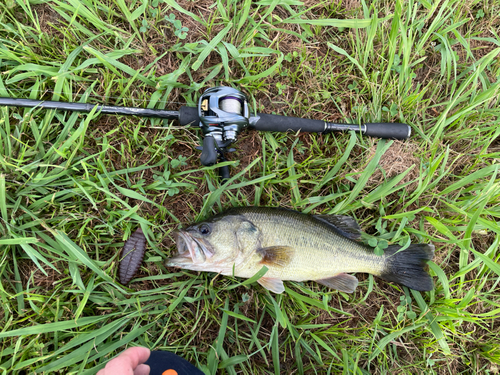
(295, 246)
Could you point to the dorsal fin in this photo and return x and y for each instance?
(344, 225)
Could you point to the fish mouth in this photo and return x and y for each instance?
(192, 251)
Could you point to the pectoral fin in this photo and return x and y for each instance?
(274, 285)
(343, 282)
(279, 256)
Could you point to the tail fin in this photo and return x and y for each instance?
(407, 267)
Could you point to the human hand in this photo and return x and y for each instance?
(128, 362)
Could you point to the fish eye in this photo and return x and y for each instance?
(204, 229)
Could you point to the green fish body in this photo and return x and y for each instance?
(295, 246)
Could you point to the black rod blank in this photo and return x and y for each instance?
(84, 107)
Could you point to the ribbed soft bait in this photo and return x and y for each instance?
(131, 256)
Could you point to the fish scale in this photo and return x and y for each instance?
(319, 252)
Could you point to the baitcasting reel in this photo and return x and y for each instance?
(223, 113)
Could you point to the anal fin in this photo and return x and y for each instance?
(274, 285)
(343, 282)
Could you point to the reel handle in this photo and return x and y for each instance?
(209, 153)
(209, 157)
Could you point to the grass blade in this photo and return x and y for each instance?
(211, 46)
(435, 328)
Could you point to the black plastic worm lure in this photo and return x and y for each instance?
(131, 256)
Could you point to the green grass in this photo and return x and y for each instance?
(73, 187)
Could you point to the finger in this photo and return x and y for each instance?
(127, 361)
(142, 370)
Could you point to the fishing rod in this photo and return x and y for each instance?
(222, 114)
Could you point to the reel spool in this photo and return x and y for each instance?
(223, 113)
(231, 104)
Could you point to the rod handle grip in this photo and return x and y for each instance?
(189, 116)
(392, 130)
(277, 123)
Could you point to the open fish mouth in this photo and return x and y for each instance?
(182, 241)
(191, 250)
